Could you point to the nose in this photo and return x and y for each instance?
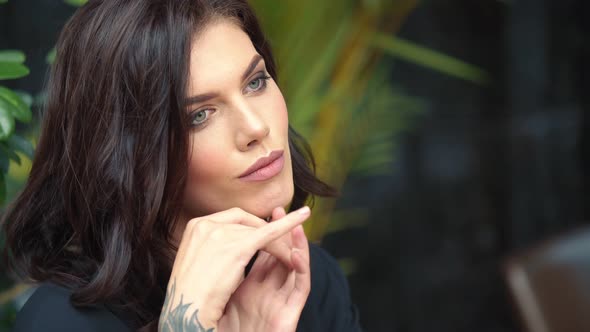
(252, 127)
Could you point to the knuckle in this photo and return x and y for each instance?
(271, 232)
(217, 233)
(192, 223)
(200, 225)
(237, 210)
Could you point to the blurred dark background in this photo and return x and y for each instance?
(484, 171)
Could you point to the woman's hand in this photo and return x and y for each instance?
(210, 263)
(272, 296)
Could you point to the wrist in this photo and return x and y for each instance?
(190, 317)
(205, 317)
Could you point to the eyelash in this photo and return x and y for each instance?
(263, 81)
(263, 84)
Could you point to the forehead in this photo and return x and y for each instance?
(219, 53)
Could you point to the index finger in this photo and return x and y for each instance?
(281, 248)
(274, 230)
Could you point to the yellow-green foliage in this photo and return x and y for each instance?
(337, 89)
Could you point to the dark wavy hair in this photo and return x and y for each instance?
(105, 190)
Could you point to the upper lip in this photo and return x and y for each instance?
(262, 162)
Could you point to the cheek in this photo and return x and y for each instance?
(207, 181)
(206, 165)
(280, 112)
(284, 116)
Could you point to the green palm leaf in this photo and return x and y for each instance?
(408, 51)
(76, 3)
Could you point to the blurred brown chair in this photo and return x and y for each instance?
(550, 284)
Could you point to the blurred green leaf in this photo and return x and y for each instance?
(383, 113)
(76, 3)
(3, 1)
(11, 154)
(431, 59)
(348, 265)
(4, 163)
(39, 99)
(317, 73)
(18, 143)
(11, 70)
(14, 56)
(326, 58)
(25, 97)
(344, 219)
(50, 57)
(2, 189)
(6, 119)
(20, 110)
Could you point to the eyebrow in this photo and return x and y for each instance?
(207, 96)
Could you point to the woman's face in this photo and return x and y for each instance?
(238, 115)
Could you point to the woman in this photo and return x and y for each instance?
(164, 151)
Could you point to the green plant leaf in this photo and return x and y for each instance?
(26, 98)
(6, 120)
(39, 99)
(11, 70)
(18, 143)
(349, 265)
(12, 56)
(4, 163)
(76, 3)
(408, 51)
(20, 110)
(349, 218)
(50, 57)
(10, 153)
(317, 74)
(2, 189)
(3, 1)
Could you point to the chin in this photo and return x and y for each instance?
(263, 208)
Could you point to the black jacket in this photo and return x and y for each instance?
(328, 306)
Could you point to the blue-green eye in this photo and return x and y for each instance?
(258, 84)
(199, 117)
(255, 85)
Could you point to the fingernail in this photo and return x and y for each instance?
(304, 210)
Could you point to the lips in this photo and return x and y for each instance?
(265, 167)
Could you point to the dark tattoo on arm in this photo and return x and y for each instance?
(175, 319)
